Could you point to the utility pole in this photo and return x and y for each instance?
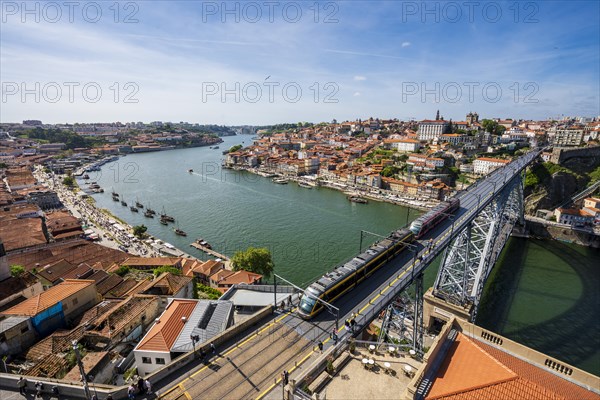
(81, 371)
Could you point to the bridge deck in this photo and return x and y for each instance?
(294, 339)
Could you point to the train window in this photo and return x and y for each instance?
(307, 304)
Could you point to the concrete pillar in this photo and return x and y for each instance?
(434, 307)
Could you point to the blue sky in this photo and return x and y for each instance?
(216, 62)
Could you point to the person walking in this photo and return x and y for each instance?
(38, 389)
(286, 377)
(213, 349)
(22, 384)
(140, 385)
(320, 345)
(131, 392)
(148, 386)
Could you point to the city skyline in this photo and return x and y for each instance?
(246, 64)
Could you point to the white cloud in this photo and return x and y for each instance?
(406, 44)
(360, 78)
(356, 94)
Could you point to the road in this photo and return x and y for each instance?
(96, 220)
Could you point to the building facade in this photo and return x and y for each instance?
(431, 129)
(484, 165)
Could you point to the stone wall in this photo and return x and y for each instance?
(561, 154)
(548, 230)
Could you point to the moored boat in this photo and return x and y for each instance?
(134, 209)
(280, 181)
(163, 215)
(124, 203)
(203, 243)
(148, 214)
(358, 199)
(305, 185)
(180, 232)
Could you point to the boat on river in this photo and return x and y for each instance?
(163, 215)
(305, 185)
(281, 181)
(358, 199)
(203, 243)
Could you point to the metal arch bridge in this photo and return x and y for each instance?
(470, 242)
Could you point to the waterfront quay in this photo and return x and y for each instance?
(112, 233)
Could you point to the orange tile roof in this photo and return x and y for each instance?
(50, 297)
(241, 277)
(473, 370)
(494, 160)
(467, 367)
(165, 331)
(150, 261)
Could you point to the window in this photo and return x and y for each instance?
(75, 301)
(146, 360)
(160, 360)
(25, 329)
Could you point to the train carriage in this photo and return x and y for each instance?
(345, 277)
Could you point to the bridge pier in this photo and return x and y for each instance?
(436, 308)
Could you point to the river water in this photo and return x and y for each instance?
(553, 287)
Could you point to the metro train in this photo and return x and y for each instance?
(345, 277)
(424, 223)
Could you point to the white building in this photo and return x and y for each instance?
(574, 217)
(484, 165)
(172, 333)
(403, 145)
(568, 137)
(431, 129)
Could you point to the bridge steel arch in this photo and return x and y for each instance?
(470, 256)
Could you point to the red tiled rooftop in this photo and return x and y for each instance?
(473, 370)
(50, 297)
(167, 328)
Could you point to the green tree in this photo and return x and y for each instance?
(257, 260)
(208, 292)
(122, 270)
(140, 231)
(166, 268)
(389, 171)
(69, 181)
(235, 148)
(492, 127)
(16, 270)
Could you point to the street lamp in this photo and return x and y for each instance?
(195, 339)
(81, 370)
